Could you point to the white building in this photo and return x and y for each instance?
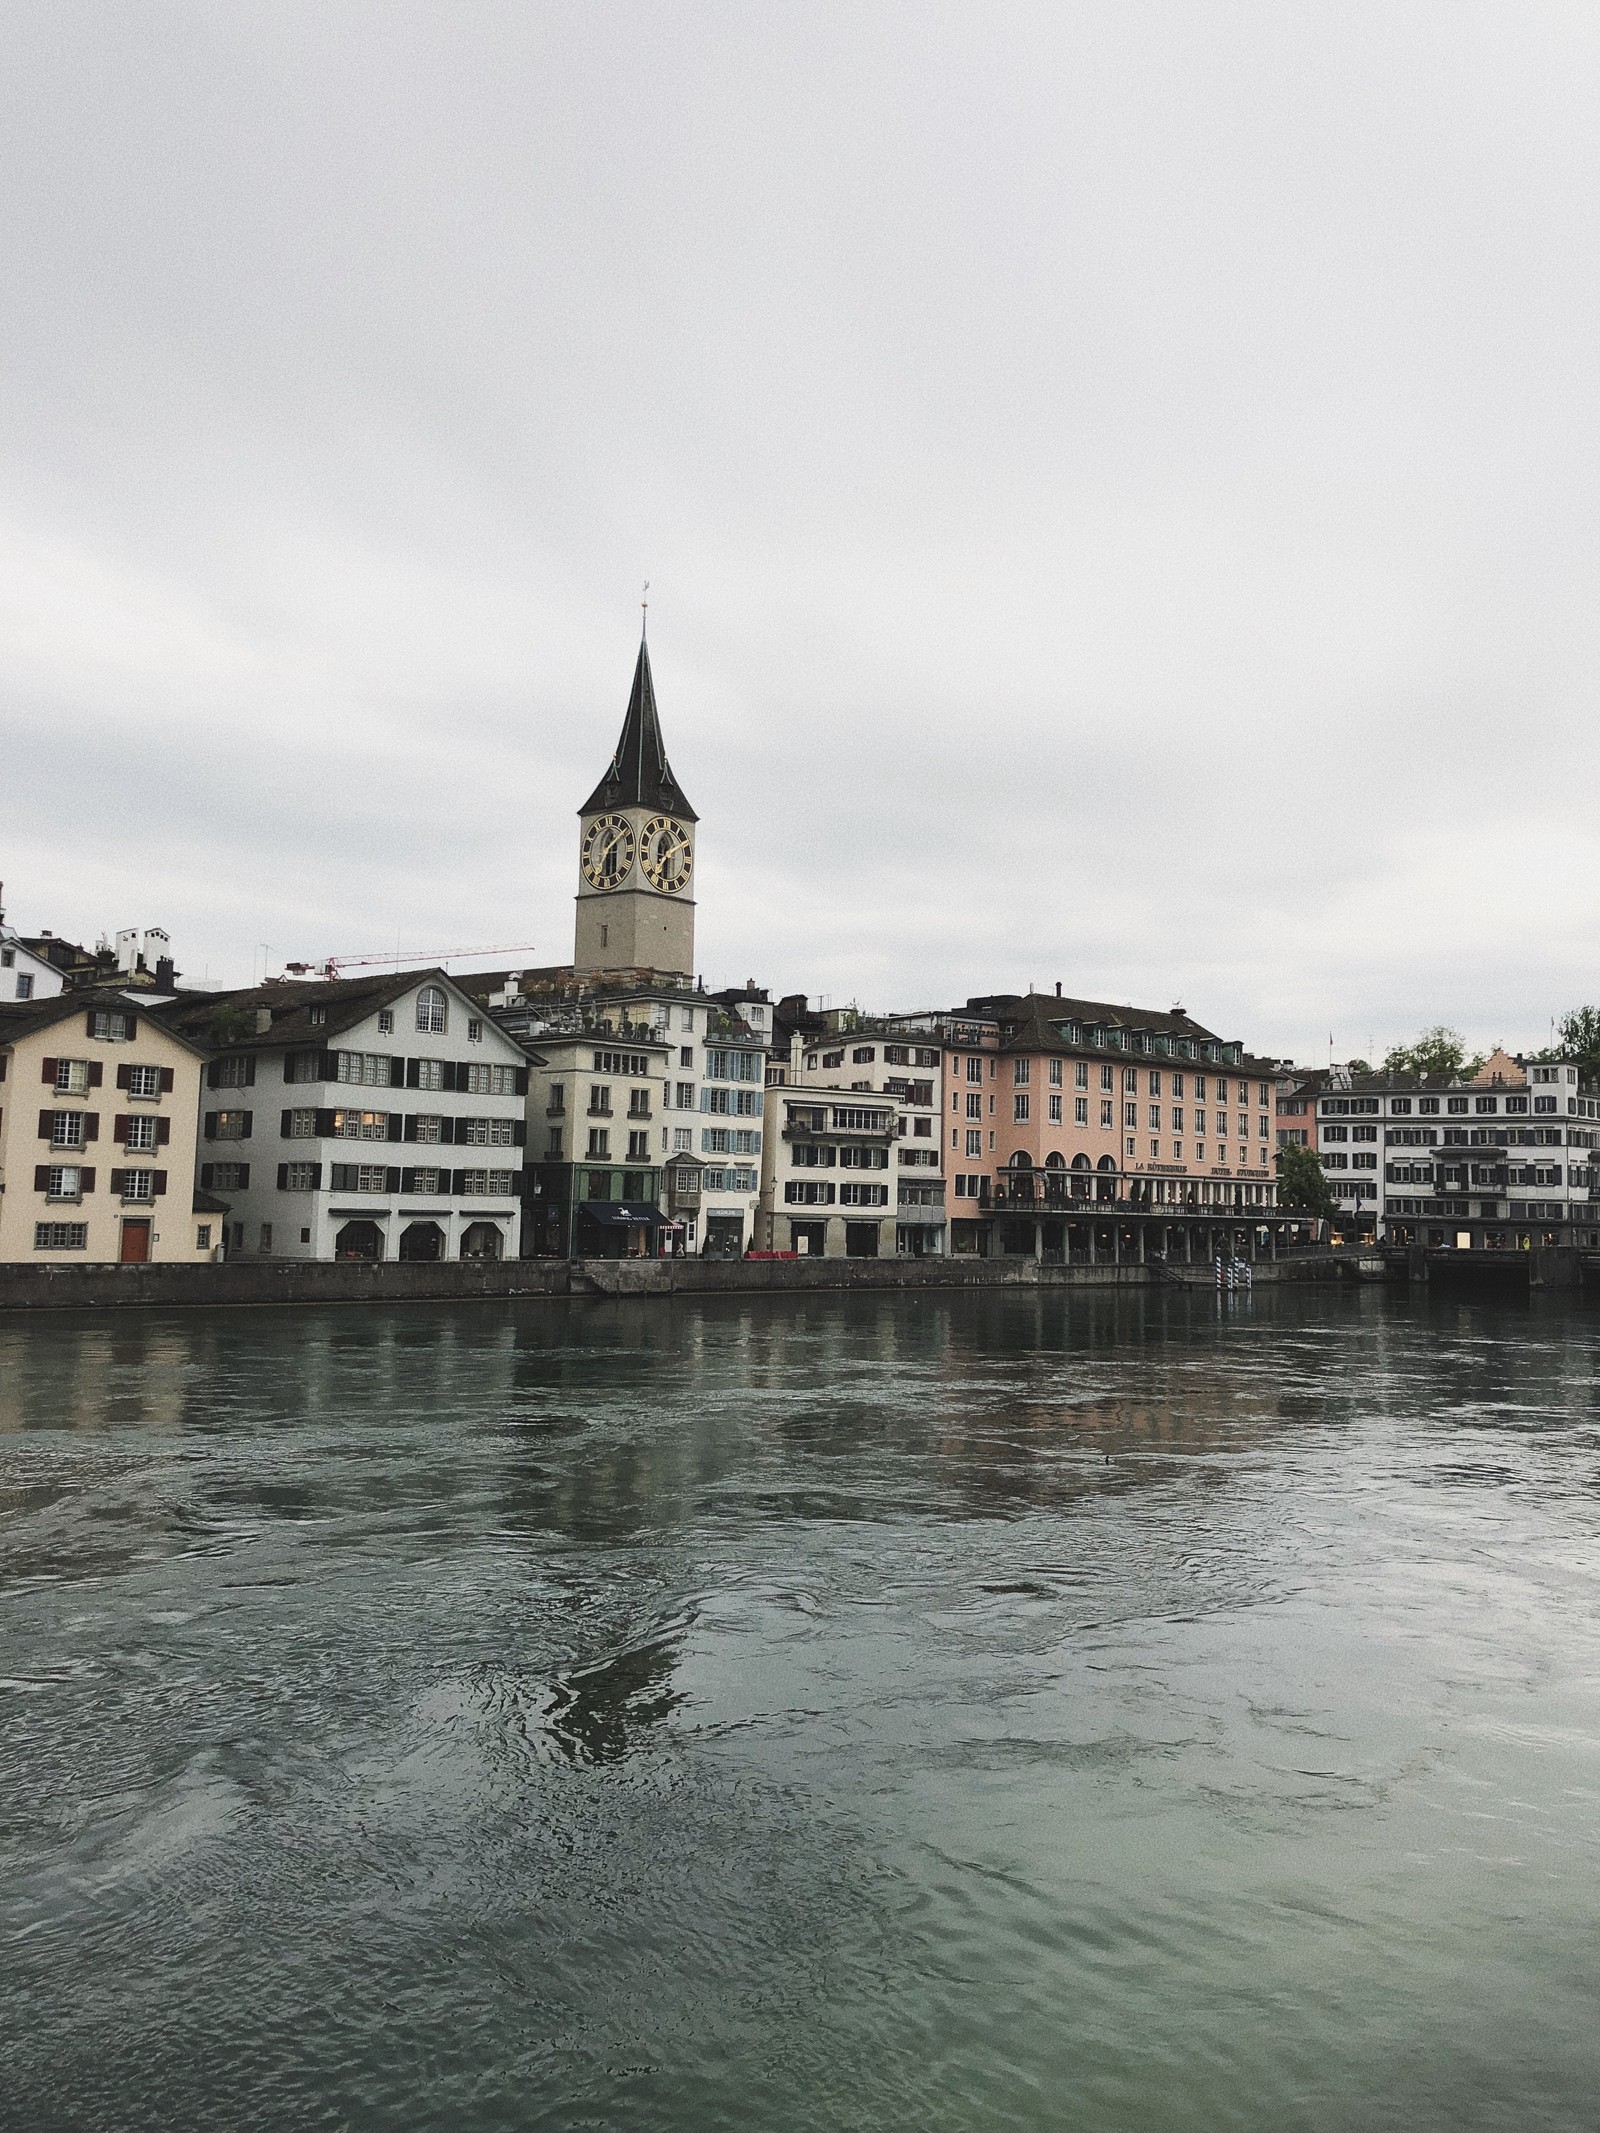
(24, 975)
(899, 1057)
(361, 1118)
(829, 1171)
(707, 1066)
(1503, 1161)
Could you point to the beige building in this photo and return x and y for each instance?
(900, 1057)
(829, 1166)
(99, 1109)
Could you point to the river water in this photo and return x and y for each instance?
(994, 1711)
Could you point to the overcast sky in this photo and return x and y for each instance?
(1120, 487)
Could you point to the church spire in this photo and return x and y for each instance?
(639, 774)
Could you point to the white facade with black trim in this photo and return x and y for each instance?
(1505, 1161)
(365, 1120)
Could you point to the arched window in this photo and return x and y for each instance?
(431, 1009)
(1055, 1160)
(1080, 1162)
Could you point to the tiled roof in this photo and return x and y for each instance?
(222, 1021)
(20, 1018)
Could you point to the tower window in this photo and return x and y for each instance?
(432, 1012)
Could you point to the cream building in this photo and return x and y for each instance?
(897, 1056)
(829, 1165)
(99, 1108)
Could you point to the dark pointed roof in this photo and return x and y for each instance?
(640, 775)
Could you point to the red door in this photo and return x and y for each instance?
(135, 1242)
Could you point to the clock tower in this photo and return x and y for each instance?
(636, 852)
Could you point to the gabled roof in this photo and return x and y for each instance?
(639, 774)
(22, 1018)
(226, 1021)
(1500, 1070)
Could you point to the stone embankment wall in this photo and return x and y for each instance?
(96, 1288)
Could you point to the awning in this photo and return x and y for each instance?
(622, 1214)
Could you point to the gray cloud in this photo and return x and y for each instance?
(1119, 488)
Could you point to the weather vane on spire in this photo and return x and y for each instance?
(644, 609)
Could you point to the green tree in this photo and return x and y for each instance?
(1439, 1052)
(1302, 1183)
(1578, 1040)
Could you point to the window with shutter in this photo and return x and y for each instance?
(86, 1181)
(169, 1077)
(91, 1125)
(158, 1182)
(122, 1075)
(117, 1180)
(41, 1177)
(49, 1074)
(163, 1132)
(97, 1073)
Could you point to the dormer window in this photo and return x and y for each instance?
(319, 1016)
(432, 1012)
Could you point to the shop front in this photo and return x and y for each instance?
(616, 1229)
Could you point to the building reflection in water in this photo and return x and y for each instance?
(584, 1454)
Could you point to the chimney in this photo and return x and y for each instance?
(1058, 988)
(166, 975)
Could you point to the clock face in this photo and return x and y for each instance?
(607, 852)
(664, 854)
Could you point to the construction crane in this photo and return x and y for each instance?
(333, 964)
